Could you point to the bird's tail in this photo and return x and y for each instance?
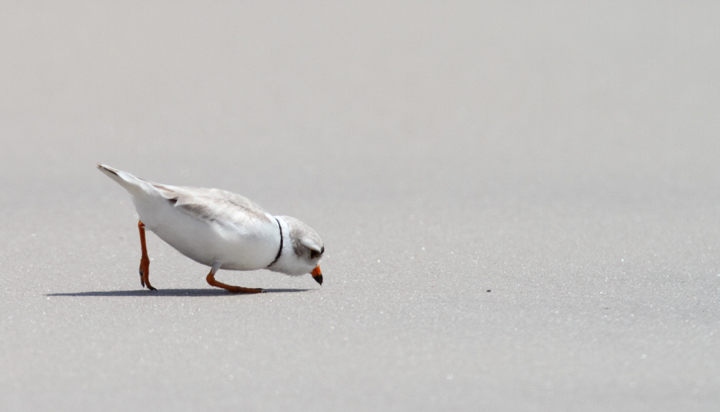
(132, 184)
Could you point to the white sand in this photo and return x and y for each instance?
(564, 157)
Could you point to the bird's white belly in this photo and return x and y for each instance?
(233, 247)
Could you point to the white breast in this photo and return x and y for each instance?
(249, 245)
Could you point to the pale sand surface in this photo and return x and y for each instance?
(520, 205)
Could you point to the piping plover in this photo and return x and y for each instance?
(220, 229)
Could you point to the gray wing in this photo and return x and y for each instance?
(214, 205)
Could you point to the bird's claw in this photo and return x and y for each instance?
(143, 282)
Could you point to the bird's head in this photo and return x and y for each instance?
(307, 250)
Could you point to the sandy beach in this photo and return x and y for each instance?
(520, 205)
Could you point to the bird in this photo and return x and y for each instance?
(220, 229)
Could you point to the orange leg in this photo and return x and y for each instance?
(233, 289)
(144, 260)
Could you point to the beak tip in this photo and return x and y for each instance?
(317, 275)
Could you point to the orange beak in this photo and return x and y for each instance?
(317, 274)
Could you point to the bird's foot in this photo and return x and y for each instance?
(145, 273)
(232, 289)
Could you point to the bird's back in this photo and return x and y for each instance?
(206, 225)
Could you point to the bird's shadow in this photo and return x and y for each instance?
(170, 292)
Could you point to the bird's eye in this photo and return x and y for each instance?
(314, 254)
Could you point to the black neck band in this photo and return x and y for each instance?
(281, 244)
